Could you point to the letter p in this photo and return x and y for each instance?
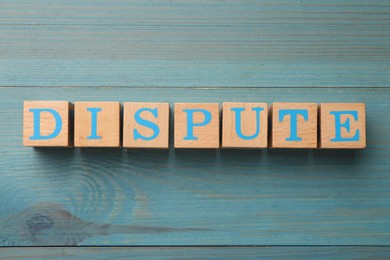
(191, 124)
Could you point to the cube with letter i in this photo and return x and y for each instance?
(244, 125)
(196, 125)
(343, 125)
(294, 125)
(97, 124)
(146, 125)
(46, 123)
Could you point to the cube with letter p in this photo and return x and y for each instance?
(196, 125)
(343, 125)
(46, 123)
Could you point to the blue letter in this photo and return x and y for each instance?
(37, 124)
(346, 125)
(146, 123)
(293, 121)
(238, 122)
(94, 112)
(191, 124)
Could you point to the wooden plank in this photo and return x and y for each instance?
(197, 252)
(179, 197)
(191, 43)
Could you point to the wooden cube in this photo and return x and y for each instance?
(244, 125)
(343, 125)
(294, 125)
(196, 125)
(146, 125)
(97, 124)
(46, 123)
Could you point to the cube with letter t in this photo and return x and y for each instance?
(343, 125)
(97, 124)
(294, 125)
(46, 123)
(196, 125)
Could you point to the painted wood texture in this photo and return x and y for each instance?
(251, 43)
(192, 197)
(198, 252)
(195, 51)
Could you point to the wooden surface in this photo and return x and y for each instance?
(196, 51)
(207, 197)
(198, 253)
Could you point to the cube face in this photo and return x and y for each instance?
(146, 125)
(46, 123)
(244, 125)
(97, 124)
(294, 125)
(196, 125)
(343, 125)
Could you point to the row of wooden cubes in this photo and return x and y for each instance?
(196, 125)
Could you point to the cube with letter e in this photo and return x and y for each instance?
(343, 125)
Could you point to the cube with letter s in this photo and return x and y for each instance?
(146, 125)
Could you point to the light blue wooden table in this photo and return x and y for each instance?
(183, 203)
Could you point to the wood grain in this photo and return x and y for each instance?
(279, 252)
(192, 43)
(195, 197)
(195, 51)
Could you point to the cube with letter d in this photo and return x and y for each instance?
(343, 125)
(97, 124)
(46, 123)
(146, 125)
(196, 125)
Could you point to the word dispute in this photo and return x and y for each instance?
(196, 125)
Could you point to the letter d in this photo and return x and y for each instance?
(37, 124)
